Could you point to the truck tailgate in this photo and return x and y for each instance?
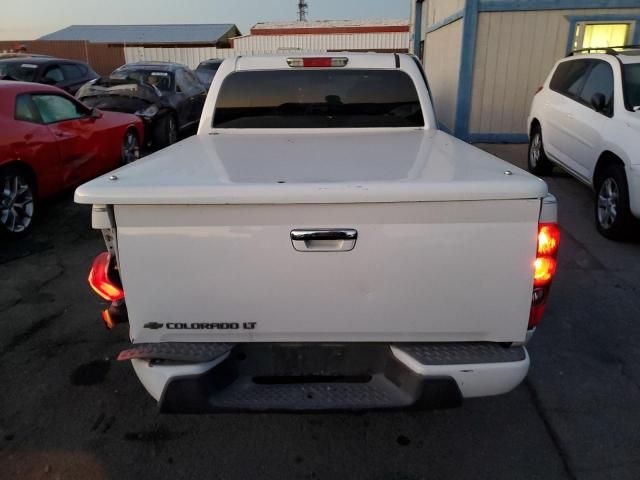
(419, 271)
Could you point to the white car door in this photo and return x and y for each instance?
(561, 110)
(590, 117)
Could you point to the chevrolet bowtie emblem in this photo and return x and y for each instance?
(153, 325)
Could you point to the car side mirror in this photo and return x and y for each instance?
(95, 113)
(598, 102)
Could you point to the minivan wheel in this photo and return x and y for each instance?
(537, 160)
(612, 213)
(17, 203)
(130, 148)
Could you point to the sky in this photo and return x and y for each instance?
(29, 19)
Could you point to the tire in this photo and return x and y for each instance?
(537, 161)
(612, 212)
(166, 132)
(17, 203)
(130, 150)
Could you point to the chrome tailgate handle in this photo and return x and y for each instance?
(324, 239)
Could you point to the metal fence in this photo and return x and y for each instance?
(264, 44)
(373, 42)
(190, 56)
(103, 58)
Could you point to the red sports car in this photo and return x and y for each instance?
(49, 142)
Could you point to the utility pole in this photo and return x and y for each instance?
(303, 8)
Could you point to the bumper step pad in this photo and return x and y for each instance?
(462, 353)
(176, 351)
(308, 377)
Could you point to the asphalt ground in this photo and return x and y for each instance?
(68, 410)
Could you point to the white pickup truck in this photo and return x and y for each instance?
(321, 244)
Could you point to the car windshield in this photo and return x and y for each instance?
(632, 85)
(318, 99)
(205, 76)
(25, 72)
(163, 81)
(211, 66)
(206, 71)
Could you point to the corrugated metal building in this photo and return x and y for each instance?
(182, 43)
(485, 58)
(209, 34)
(325, 36)
(103, 58)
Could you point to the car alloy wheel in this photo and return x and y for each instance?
(16, 204)
(130, 148)
(537, 161)
(536, 150)
(608, 199)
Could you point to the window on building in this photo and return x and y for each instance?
(601, 35)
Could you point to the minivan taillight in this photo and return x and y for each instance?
(102, 278)
(544, 269)
(538, 90)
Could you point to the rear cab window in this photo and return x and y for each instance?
(327, 98)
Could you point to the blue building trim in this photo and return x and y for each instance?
(497, 138)
(465, 77)
(445, 21)
(605, 17)
(469, 16)
(514, 5)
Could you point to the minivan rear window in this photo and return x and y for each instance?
(327, 98)
(569, 77)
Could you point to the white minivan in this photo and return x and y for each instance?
(586, 119)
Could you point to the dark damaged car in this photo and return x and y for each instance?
(167, 96)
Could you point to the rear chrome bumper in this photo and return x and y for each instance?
(307, 377)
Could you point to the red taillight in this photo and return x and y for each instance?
(548, 239)
(317, 62)
(544, 269)
(99, 279)
(538, 90)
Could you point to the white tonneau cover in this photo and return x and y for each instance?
(384, 166)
